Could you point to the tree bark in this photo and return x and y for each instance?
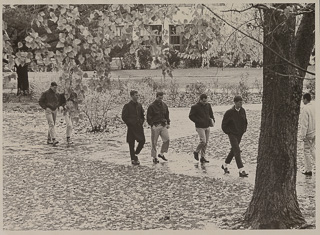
(274, 202)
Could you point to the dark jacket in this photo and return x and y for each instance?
(133, 116)
(200, 114)
(49, 99)
(158, 113)
(234, 122)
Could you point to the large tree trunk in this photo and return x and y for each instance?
(274, 203)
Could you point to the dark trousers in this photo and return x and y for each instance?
(137, 151)
(235, 150)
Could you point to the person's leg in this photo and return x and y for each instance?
(202, 137)
(207, 133)
(140, 146)
(155, 132)
(307, 153)
(131, 149)
(69, 125)
(50, 119)
(164, 133)
(235, 150)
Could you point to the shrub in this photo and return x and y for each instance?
(311, 87)
(145, 58)
(193, 63)
(129, 61)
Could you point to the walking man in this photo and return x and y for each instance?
(133, 116)
(234, 124)
(308, 132)
(50, 102)
(158, 119)
(202, 115)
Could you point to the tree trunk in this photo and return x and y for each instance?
(274, 203)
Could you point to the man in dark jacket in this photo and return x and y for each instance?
(50, 102)
(201, 114)
(158, 119)
(234, 124)
(133, 116)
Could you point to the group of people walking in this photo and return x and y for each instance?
(234, 124)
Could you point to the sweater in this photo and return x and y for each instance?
(234, 122)
(307, 121)
(200, 114)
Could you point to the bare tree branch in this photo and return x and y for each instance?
(256, 40)
(239, 11)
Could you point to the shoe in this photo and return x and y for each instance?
(243, 174)
(135, 162)
(203, 160)
(226, 171)
(307, 172)
(162, 157)
(155, 160)
(196, 155)
(54, 144)
(49, 142)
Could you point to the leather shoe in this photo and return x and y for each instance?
(135, 162)
(307, 172)
(203, 160)
(226, 171)
(243, 174)
(155, 160)
(162, 157)
(196, 155)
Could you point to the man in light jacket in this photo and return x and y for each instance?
(201, 114)
(308, 132)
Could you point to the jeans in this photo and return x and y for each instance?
(51, 118)
(235, 150)
(204, 138)
(309, 152)
(157, 131)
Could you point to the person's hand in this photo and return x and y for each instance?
(168, 126)
(48, 109)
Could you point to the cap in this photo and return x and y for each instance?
(54, 84)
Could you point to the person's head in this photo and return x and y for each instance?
(237, 102)
(54, 86)
(134, 95)
(306, 98)
(203, 98)
(159, 95)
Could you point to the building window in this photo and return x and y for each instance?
(175, 37)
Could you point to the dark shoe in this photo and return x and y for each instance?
(196, 155)
(307, 172)
(55, 143)
(135, 162)
(226, 171)
(243, 174)
(49, 142)
(162, 157)
(203, 160)
(155, 160)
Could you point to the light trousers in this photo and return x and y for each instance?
(51, 117)
(204, 138)
(157, 131)
(69, 123)
(309, 153)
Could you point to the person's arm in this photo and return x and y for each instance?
(125, 114)
(304, 123)
(193, 114)
(246, 121)
(150, 115)
(142, 115)
(225, 122)
(211, 113)
(167, 115)
(43, 101)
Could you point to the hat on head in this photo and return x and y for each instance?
(237, 98)
(54, 84)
